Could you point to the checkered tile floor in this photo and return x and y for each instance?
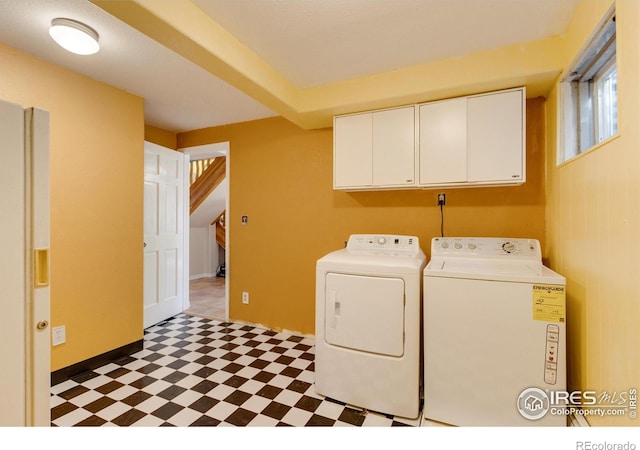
(200, 372)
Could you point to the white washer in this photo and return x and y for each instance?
(368, 301)
(494, 334)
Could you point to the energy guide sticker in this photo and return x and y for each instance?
(549, 302)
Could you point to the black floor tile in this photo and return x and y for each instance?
(206, 386)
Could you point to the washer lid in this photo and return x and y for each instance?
(486, 269)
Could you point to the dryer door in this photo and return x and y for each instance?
(365, 313)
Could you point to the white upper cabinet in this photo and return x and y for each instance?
(477, 140)
(443, 142)
(352, 151)
(375, 150)
(394, 147)
(495, 138)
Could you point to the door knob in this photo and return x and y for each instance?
(42, 325)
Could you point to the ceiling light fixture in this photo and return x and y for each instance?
(74, 36)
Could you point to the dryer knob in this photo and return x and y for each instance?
(382, 240)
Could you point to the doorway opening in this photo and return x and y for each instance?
(208, 249)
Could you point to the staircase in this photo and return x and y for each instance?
(205, 176)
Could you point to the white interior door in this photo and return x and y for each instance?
(38, 268)
(24, 266)
(165, 233)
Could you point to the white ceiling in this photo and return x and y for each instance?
(309, 42)
(313, 42)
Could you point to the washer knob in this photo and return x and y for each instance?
(472, 246)
(382, 240)
(509, 247)
(444, 245)
(457, 245)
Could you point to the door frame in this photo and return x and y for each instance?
(186, 196)
(211, 151)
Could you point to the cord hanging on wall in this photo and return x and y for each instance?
(441, 202)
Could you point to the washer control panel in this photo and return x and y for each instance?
(384, 243)
(486, 248)
(551, 354)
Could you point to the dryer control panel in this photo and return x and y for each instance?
(504, 248)
(384, 243)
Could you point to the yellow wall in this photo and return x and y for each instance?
(164, 138)
(96, 203)
(281, 178)
(593, 219)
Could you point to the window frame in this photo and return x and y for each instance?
(580, 106)
(600, 80)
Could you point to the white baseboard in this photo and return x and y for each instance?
(276, 330)
(201, 275)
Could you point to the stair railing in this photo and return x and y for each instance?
(219, 223)
(206, 182)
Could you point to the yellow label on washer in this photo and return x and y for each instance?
(549, 302)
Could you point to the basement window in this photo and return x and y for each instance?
(589, 106)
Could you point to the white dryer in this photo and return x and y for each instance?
(368, 299)
(494, 334)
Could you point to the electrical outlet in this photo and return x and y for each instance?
(245, 298)
(442, 199)
(58, 335)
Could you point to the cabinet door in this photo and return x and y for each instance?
(495, 130)
(394, 147)
(352, 158)
(443, 142)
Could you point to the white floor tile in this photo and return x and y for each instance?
(111, 412)
(72, 418)
(184, 418)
